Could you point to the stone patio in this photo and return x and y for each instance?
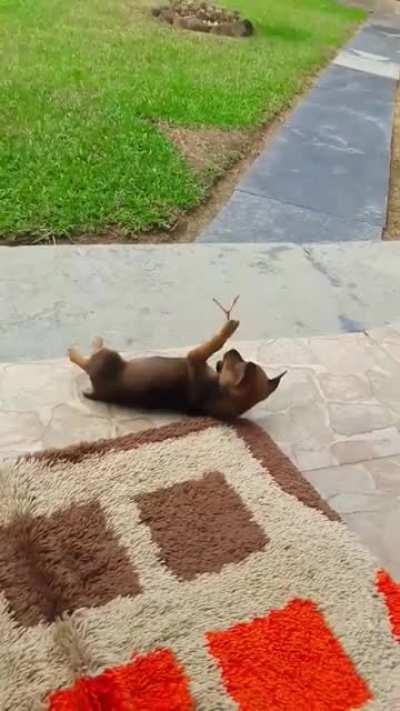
(336, 415)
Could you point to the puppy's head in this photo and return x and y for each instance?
(245, 383)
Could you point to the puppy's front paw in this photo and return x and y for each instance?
(231, 326)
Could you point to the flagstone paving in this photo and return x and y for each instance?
(336, 415)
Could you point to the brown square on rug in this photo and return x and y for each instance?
(190, 566)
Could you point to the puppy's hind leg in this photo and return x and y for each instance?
(81, 362)
(90, 395)
(97, 344)
(78, 358)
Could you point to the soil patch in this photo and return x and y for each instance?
(203, 17)
(209, 151)
(392, 231)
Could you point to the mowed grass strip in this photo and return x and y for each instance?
(84, 87)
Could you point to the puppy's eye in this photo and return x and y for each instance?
(218, 367)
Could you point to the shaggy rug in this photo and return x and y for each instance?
(187, 567)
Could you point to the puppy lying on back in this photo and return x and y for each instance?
(188, 384)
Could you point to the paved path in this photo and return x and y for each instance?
(161, 297)
(325, 176)
(336, 414)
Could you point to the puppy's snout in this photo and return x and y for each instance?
(218, 367)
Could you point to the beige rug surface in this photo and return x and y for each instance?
(187, 567)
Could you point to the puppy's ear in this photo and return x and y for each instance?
(274, 382)
(238, 373)
(251, 379)
(250, 372)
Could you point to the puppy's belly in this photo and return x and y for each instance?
(148, 397)
(158, 383)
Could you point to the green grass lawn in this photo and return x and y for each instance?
(84, 85)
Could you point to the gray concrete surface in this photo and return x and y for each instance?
(142, 298)
(325, 176)
(379, 39)
(255, 218)
(330, 159)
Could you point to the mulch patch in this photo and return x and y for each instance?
(203, 17)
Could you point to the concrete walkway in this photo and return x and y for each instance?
(143, 298)
(325, 176)
(336, 414)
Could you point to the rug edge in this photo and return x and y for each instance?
(262, 447)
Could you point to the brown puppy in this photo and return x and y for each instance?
(187, 384)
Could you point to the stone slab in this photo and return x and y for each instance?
(356, 131)
(327, 175)
(356, 91)
(152, 297)
(380, 532)
(368, 502)
(379, 40)
(367, 62)
(388, 19)
(255, 218)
